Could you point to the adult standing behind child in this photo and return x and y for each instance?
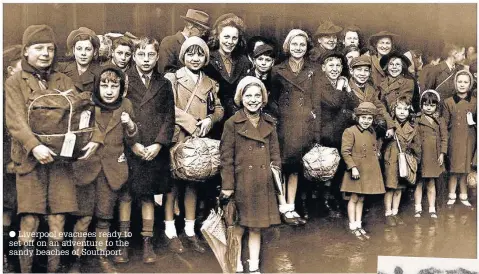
(460, 116)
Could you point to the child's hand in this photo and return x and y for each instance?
(126, 120)
(440, 160)
(390, 133)
(355, 173)
(205, 126)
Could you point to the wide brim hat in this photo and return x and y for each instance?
(194, 40)
(247, 80)
(336, 54)
(366, 108)
(375, 37)
(71, 39)
(197, 17)
(326, 28)
(385, 60)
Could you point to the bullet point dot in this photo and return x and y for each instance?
(12, 234)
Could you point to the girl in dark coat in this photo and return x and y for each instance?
(460, 116)
(228, 63)
(433, 131)
(83, 45)
(249, 147)
(293, 89)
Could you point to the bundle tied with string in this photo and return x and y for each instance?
(61, 120)
(195, 159)
(321, 163)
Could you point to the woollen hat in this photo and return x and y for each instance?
(366, 108)
(38, 34)
(197, 17)
(74, 36)
(190, 41)
(240, 89)
(375, 37)
(363, 60)
(433, 92)
(463, 72)
(293, 33)
(326, 28)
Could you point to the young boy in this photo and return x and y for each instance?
(149, 159)
(121, 50)
(12, 57)
(101, 179)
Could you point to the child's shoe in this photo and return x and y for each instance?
(417, 211)
(452, 199)
(364, 233)
(432, 212)
(464, 201)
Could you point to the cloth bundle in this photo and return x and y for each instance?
(321, 163)
(196, 159)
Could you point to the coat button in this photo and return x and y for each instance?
(250, 167)
(262, 146)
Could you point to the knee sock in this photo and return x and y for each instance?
(394, 212)
(358, 224)
(452, 196)
(170, 229)
(147, 230)
(389, 213)
(102, 229)
(432, 209)
(190, 228)
(463, 196)
(124, 228)
(283, 208)
(418, 208)
(352, 226)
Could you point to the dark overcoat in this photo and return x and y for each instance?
(462, 136)
(246, 155)
(154, 109)
(392, 88)
(441, 79)
(434, 142)
(377, 73)
(169, 53)
(299, 114)
(84, 82)
(107, 156)
(359, 149)
(410, 141)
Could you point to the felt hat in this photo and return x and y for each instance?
(240, 89)
(385, 60)
(375, 37)
(38, 34)
(197, 17)
(190, 41)
(326, 28)
(366, 108)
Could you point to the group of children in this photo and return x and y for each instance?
(139, 113)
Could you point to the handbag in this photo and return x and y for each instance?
(407, 164)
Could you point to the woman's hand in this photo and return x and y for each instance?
(355, 173)
(43, 154)
(204, 126)
(139, 150)
(90, 148)
(151, 151)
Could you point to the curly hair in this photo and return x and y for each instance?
(231, 20)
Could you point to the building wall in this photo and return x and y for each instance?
(421, 26)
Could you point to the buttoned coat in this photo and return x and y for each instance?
(184, 87)
(359, 149)
(299, 115)
(246, 155)
(84, 82)
(462, 137)
(154, 109)
(169, 53)
(108, 156)
(392, 88)
(441, 79)
(434, 142)
(410, 141)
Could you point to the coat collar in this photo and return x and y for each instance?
(265, 126)
(180, 38)
(425, 122)
(457, 99)
(32, 81)
(114, 120)
(237, 68)
(387, 86)
(184, 79)
(406, 132)
(80, 80)
(306, 73)
(156, 82)
(370, 129)
(368, 93)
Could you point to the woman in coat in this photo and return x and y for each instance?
(197, 109)
(398, 82)
(83, 44)
(228, 63)
(293, 83)
(380, 44)
(249, 147)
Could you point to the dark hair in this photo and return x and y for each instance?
(234, 21)
(195, 49)
(352, 29)
(429, 98)
(122, 41)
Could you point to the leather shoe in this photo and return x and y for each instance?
(106, 265)
(194, 243)
(301, 221)
(149, 255)
(289, 221)
(175, 245)
(122, 257)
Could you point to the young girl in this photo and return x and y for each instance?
(434, 146)
(408, 135)
(460, 115)
(101, 179)
(191, 89)
(360, 153)
(249, 145)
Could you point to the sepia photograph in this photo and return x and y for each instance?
(239, 137)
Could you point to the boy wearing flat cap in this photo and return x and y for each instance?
(12, 57)
(327, 38)
(44, 186)
(196, 24)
